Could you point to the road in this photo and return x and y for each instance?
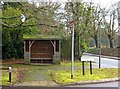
(110, 84)
(105, 62)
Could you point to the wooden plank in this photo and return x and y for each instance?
(40, 58)
(29, 50)
(40, 63)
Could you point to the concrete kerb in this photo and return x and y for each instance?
(93, 81)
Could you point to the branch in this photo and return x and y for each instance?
(54, 26)
(16, 26)
(13, 17)
(11, 26)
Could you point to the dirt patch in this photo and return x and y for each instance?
(12, 61)
(19, 75)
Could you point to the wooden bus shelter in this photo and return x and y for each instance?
(41, 49)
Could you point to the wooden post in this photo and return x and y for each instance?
(90, 67)
(29, 49)
(10, 74)
(59, 46)
(30, 45)
(83, 68)
(54, 47)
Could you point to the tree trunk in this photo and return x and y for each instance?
(79, 53)
(96, 41)
(110, 41)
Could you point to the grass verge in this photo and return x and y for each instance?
(5, 78)
(63, 76)
(76, 63)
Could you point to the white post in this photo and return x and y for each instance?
(73, 52)
(72, 64)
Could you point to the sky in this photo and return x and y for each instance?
(104, 3)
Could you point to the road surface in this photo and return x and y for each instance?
(105, 62)
(110, 84)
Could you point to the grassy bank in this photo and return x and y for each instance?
(63, 77)
(115, 52)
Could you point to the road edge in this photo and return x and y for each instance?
(93, 81)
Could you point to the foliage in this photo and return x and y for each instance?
(12, 46)
(84, 46)
(66, 48)
(38, 20)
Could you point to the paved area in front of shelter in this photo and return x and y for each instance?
(38, 76)
(44, 83)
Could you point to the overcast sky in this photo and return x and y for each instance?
(104, 3)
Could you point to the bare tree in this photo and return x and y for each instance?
(110, 29)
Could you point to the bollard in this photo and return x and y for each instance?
(10, 72)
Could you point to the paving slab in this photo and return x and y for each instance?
(37, 83)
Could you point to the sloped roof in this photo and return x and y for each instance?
(40, 37)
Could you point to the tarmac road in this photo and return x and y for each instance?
(108, 84)
(106, 62)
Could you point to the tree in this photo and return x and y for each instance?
(76, 10)
(12, 46)
(110, 30)
(95, 26)
(13, 28)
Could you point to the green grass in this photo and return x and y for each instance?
(40, 36)
(63, 77)
(5, 78)
(76, 63)
(15, 73)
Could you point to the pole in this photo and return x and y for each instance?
(99, 48)
(10, 72)
(99, 61)
(90, 67)
(83, 68)
(72, 72)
